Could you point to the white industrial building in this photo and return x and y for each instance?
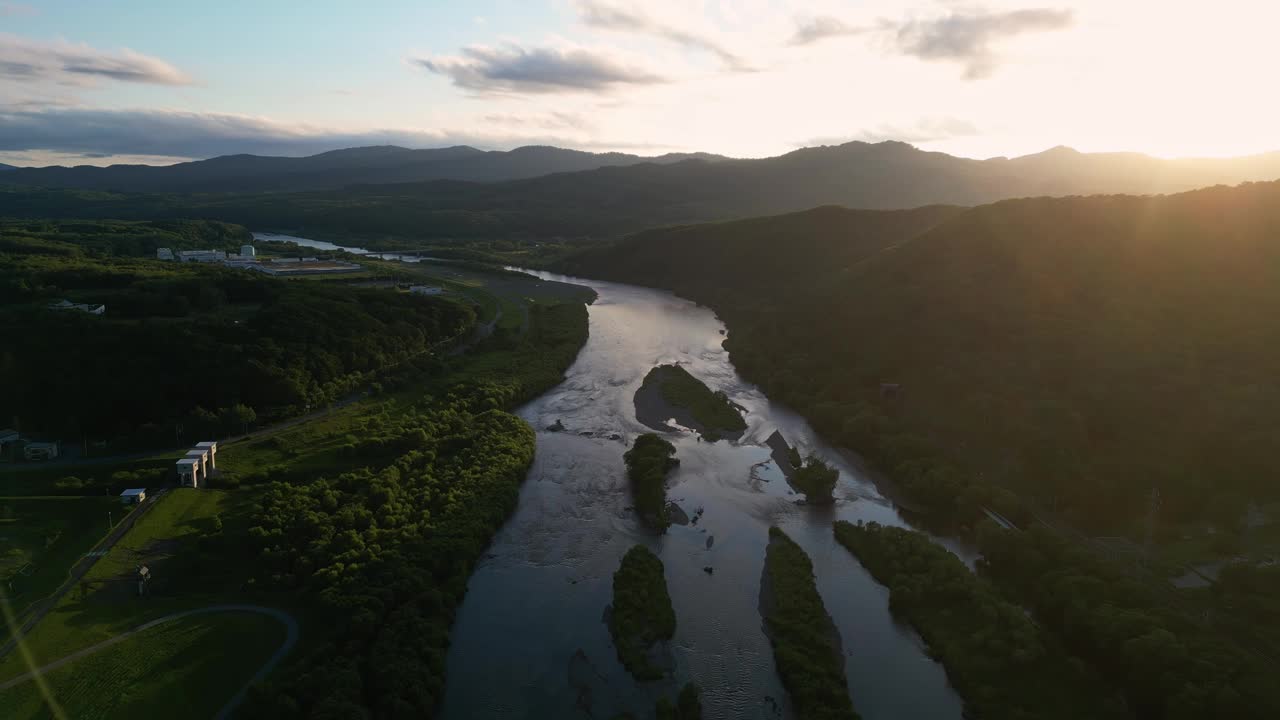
(426, 290)
(82, 307)
(193, 469)
(202, 255)
(164, 254)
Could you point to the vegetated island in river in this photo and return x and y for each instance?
(669, 391)
(648, 462)
(996, 657)
(806, 644)
(642, 619)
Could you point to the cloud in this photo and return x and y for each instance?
(156, 133)
(925, 130)
(513, 69)
(548, 121)
(822, 27)
(14, 9)
(607, 16)
(967, 37)
(61, 62)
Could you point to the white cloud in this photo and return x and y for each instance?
(606, 15)
(100, 134)
(514, 69)
(811, 30)
(967, 37)
(32, 61)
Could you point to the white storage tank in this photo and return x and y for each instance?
(247, 251)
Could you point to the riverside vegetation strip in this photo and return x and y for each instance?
(806, 644)
(1002, 664)
(642, 617)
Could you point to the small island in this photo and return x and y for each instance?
(688, 705)
(642, 617)
(669, 391)
(817, 480)
(648, 463)
(806, 643)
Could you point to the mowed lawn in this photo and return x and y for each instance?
(177, 519)
(42, 537)
(187, 668)
(178, 516)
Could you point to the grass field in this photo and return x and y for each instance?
(177, 520)
(178, 516)
(42, 537)
(187, 668)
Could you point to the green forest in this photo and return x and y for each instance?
(186, 350)
(806, 644)
(380, 549)
(642, 616)
(1077, 352)
(816, 480)
(648, 462)
(1000, 661)
(1168, 659)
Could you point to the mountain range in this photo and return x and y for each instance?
(335, 169)
(603, 202)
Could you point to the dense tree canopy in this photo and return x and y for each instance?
(806, 644)
(642, 616)
(1077, 350)
(997, 658)
(648, 462)
(205, 347)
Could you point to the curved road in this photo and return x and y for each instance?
(291, 639)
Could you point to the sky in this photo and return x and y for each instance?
(161, 81)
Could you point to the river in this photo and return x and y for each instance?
(530, 640)
(322, 245)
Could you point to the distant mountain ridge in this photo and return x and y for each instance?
(613, 200)
(381, 164)
(886, 175)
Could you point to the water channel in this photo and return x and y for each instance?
(530, 639)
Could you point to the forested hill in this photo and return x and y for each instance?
(332, 170)
(1081, 350)
(715, 260)
(207, 348)
(609, 202)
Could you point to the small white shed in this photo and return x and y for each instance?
(133, 496)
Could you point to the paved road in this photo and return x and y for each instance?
(42, 608)
(291, 639)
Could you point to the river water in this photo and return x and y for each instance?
(530, 639)
(322, 245)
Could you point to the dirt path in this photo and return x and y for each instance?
(291, 639)
(41, 608)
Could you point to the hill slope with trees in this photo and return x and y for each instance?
(334, 169)
(612, 198)
(1078, 350)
